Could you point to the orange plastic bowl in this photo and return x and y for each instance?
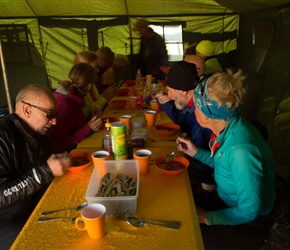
(130, 83)
(174, 167)
(167, 129)
(80, 161)
(119, 104)
(165, 69)
(123, 91)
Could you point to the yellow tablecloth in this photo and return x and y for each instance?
(160, 197)
(95, 140)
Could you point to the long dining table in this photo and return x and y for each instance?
(160, 197)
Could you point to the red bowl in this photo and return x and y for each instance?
(80, 161)
(174, 167)
(119, 103)
(165, 69)
(167, 129)
(130, 83)
(123, 91)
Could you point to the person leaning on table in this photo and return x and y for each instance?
(94, 101)
(27, 164)
(179, 106)
(73, 126)
(205, 49)
(244, 168)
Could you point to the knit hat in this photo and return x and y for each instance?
(182, 76)
(141, 23)
(205, 48)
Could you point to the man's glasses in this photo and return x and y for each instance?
(49, 114)
(202, 94)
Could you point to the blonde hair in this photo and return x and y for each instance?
(227, 87)
(120, 60)
(80, 76)
(86, 56)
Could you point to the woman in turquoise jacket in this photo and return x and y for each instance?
(244, 168)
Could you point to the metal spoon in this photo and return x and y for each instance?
(139, 222)
(78, 208)
(170, 156)
(44, 219)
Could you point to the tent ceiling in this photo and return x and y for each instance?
(30, 8)
(242, 6)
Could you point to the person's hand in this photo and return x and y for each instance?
(58, 163)
(201, 215)
(109, 93)
(95, 123)
(162, 98)
(186, 146)
(97, 112)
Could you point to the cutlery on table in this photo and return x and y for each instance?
(78, 208)
(170, 156)
(157, 140)
(44, 219)
(139, 222)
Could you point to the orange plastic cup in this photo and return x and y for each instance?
(132, 102)
(143, 156)
(100, 155)
(93, 217)
(151, 116)
(126, 119)
(154, 105)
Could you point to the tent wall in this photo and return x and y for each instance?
(58, 40)
(24, 61)
(263, 54)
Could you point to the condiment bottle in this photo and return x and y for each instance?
(154, 88)
(137, 143)
(107, 138)
(139, 103)
(139, 79)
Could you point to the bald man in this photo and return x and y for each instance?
(27, 164)
(199, 63)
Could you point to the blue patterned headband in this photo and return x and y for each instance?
(209, 107)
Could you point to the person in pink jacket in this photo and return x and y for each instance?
(72, 125)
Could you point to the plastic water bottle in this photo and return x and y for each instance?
(139, 79)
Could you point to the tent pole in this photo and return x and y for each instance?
(5, 78)
(130, 37)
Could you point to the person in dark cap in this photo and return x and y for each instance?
(181, 81)
(153, 53)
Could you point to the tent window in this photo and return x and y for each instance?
(15, 43)
(172, 35)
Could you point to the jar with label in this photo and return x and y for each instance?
(146, 98)
(119, 140)
(154, 88)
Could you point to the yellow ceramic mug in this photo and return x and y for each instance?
(143, 156)
(154, 105)
(94, 219)
(132, 102)
(151, 116)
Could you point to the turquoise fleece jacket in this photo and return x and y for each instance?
(244, 170)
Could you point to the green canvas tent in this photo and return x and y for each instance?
(39, 39)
